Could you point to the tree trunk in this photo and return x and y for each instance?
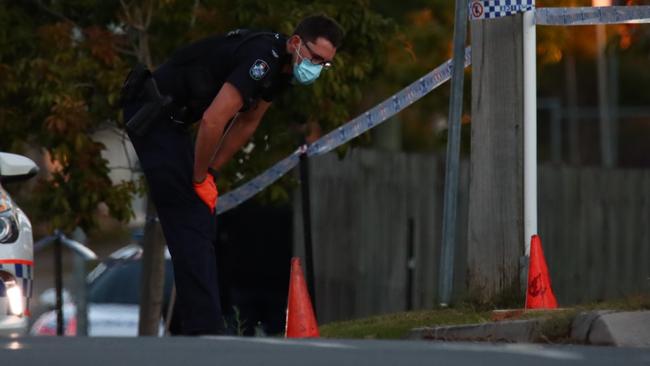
(139, 17)
(153, 274)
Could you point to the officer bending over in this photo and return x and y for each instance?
(212, 81)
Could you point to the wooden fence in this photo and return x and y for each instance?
(371, 209)
(595, 230)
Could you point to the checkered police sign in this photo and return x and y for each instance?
(490, 9)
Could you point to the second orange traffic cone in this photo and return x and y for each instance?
(301, 321)
(539, 294)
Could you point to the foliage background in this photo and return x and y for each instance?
(62, 64)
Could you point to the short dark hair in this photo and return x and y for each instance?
(312, 27)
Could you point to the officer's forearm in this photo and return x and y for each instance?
(206, 144)
(239, 134)
(225, 105)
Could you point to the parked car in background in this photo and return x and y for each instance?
(16, 248)
(113, 298)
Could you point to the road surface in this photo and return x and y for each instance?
(276, 351)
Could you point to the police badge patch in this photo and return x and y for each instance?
(259, 69)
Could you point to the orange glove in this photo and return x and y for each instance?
(207, 192)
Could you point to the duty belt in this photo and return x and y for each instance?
(140, 86)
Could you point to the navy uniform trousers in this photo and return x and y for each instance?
(166, 155)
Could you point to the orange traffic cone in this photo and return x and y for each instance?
(301, 321)
(539, 294)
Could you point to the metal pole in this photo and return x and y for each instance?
(449, 225)
(81, 290)
(58, 284)
(530, 129)
(306, 223)
(81, 298)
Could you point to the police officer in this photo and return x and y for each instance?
(220, 81)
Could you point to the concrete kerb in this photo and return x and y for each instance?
(604, 327)
(503, 331)
(622, 329)
(582, 325)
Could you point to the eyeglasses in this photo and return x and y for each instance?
(317, 59)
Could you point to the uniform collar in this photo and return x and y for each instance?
(280, 46)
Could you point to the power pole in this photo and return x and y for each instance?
(496, 227)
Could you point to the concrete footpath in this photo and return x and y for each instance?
(605, 327)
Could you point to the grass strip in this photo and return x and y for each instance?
(555, 328)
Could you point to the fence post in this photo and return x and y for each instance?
(306, 222)
(410, 261)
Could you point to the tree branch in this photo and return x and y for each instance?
(149, 15)
(195, 8)
(54, 13)
(83, 85)
(125, 51)
(139, 17)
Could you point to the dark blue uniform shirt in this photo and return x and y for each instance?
(251, 61)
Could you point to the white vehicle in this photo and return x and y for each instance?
(113, 298)
(16, 249)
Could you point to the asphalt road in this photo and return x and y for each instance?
(275, 351)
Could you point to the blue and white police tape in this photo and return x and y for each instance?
(386, 109)
(259, 183)
(592, 15)
(491, 9)
(364, 122)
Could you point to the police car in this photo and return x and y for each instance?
(16, 249)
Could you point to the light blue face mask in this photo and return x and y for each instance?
(306, 72)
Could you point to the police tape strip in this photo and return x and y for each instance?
(593, 15)
(479, 9)
(492, 9)
(259, 183)
(385, 109)
(364, 122)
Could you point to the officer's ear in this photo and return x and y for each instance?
(293, 43)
